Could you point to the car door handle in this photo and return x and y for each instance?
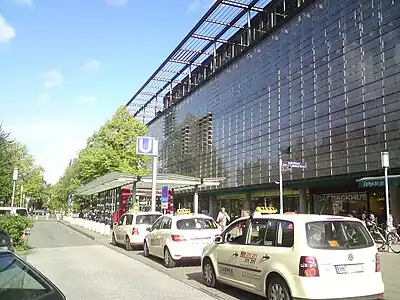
(235, 254)
(266, 257)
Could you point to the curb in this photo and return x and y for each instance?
(77, 230)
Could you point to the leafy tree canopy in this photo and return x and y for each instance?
(110, 149)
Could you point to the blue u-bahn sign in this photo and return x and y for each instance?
(146, 146)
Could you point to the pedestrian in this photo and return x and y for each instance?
(223, 218)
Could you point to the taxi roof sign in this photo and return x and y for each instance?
(266, 210)
(183, 211)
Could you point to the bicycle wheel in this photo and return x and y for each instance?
(392, 240)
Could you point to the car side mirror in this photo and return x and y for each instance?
(218, 239)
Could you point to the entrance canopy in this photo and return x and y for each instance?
(173, 181)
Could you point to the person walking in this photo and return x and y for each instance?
(223, 219)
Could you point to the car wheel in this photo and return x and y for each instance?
(113, 240)
(128, 244)
(146, 251)
(169, 262)
(209, 276)
(278, 289)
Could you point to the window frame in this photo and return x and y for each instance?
(275, 242)
(231, 226)
(156, 224)
(121, 220)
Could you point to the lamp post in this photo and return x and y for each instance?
(22, 195)
(385, 165)
(281, 151)
(15, 178)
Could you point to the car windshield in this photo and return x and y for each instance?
(340, 235)
(196, 223)
(146, 219)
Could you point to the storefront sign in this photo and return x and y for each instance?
(371, 184)
(231, 196)
(274, 193)
(341, 197)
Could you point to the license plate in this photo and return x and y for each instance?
(349, 269)
(4, 247)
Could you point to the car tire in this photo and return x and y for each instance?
(278, 289)
(128, 245)
(209, 276)
(113, 240)
(146, 252)
(169, 262)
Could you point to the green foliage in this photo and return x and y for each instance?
(16, 155)
(113, 148)
(6, 166)
(110, 149)
(15, 225)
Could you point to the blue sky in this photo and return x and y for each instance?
(66, 65)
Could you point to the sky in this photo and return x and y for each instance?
(67, 65)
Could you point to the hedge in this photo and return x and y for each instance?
(15, 225)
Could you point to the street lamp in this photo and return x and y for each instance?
(22, 195)
(15, 178)
(385, 165)
(281, 151)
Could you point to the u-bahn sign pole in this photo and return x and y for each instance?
(149, 146)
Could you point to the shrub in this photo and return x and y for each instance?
(15, 225)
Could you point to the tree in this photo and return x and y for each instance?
(30, 175)
(6, 166)
(113, 149)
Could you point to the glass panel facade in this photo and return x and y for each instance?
(327, 84)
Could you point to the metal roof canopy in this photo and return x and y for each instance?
(174, 181)
(218, 25)
(378, 178)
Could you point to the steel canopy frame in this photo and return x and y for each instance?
(174, 181)
(222, 21)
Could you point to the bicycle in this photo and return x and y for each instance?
(382, 239)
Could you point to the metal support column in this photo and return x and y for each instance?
(196, 200)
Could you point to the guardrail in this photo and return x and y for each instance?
(97, 227)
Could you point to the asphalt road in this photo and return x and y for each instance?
(84, 269)
(45, 233)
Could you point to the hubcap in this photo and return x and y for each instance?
(277, 292)
(208, 273)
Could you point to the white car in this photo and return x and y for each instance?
(131, 228)
(180, 237)
(296, 256)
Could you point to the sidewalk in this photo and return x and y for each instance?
(86, 232)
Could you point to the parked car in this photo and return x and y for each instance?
(131, 228)
(296, 257)
(180, 237)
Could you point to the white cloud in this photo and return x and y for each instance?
(43, 99)
(28, 3)
(52, 78)
(53, 142)
(91, 66)
(200, 4)
(117, 2)
(7, 32)
(88, 99)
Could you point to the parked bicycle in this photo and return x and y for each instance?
(383, 239)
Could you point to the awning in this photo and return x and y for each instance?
(378, 181)
(173, 181)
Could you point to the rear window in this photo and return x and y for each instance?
(196, 223)
(146, 219)
(338, 235)
(22, 212)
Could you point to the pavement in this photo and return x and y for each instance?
(74, 252)
(85, 269)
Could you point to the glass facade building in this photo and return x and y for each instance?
(326, 84)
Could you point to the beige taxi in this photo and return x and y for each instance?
(287, 257)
